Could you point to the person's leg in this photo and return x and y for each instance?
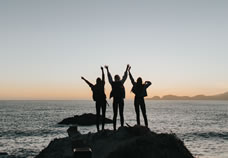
(136, 103)
(121, 111)
(97, 114)
(143, 108)
(103, 114)
(115, 108)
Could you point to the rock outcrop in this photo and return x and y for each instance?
(131, 142)
(83, 120)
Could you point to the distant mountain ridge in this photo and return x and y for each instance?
(223, 96)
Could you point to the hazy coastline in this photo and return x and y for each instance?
(223, 96)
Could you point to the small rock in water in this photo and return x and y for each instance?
(86, 119)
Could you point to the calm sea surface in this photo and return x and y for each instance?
(26, 127)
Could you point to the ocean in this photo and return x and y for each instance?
(26, 127)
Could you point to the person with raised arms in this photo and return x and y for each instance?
(118, 94)
(99, 97)
(139, 89)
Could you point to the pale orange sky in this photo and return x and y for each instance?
(181, 46)
(82, 91)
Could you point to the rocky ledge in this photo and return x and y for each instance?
(83, 120)
(131, 142)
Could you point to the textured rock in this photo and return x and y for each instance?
(132, 142)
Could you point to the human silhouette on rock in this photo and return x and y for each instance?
(118, 94)
(99, 97)
(139, 89)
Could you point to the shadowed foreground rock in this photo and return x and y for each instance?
(126, 142)
(83, 120)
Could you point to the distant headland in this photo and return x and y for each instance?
(223, 96)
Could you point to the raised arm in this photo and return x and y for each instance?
(109, 75)
(125, 74)
(131, 77)
(147, 84)
(103, 76)
(90, 84)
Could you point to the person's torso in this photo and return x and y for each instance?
(118, 90)
(98, 92)
(139, 90)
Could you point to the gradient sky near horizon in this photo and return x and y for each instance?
(47, 45)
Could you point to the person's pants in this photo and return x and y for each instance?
(139, 102)
(118, 103)
(100, 104)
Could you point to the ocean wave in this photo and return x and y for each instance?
(221, 135)
(27, 133)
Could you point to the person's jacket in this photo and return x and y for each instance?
(139, 90)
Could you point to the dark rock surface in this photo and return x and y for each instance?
(126, 142)
(83, 120)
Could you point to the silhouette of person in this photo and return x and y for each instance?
(139, 89)
(118, 94)
(99, 97)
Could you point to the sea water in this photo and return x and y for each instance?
(26, 127)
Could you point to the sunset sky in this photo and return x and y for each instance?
(47, 45)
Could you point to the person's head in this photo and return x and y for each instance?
(98, 81)
(139, 80)
(117, 78)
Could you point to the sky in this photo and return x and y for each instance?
(181, 46)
